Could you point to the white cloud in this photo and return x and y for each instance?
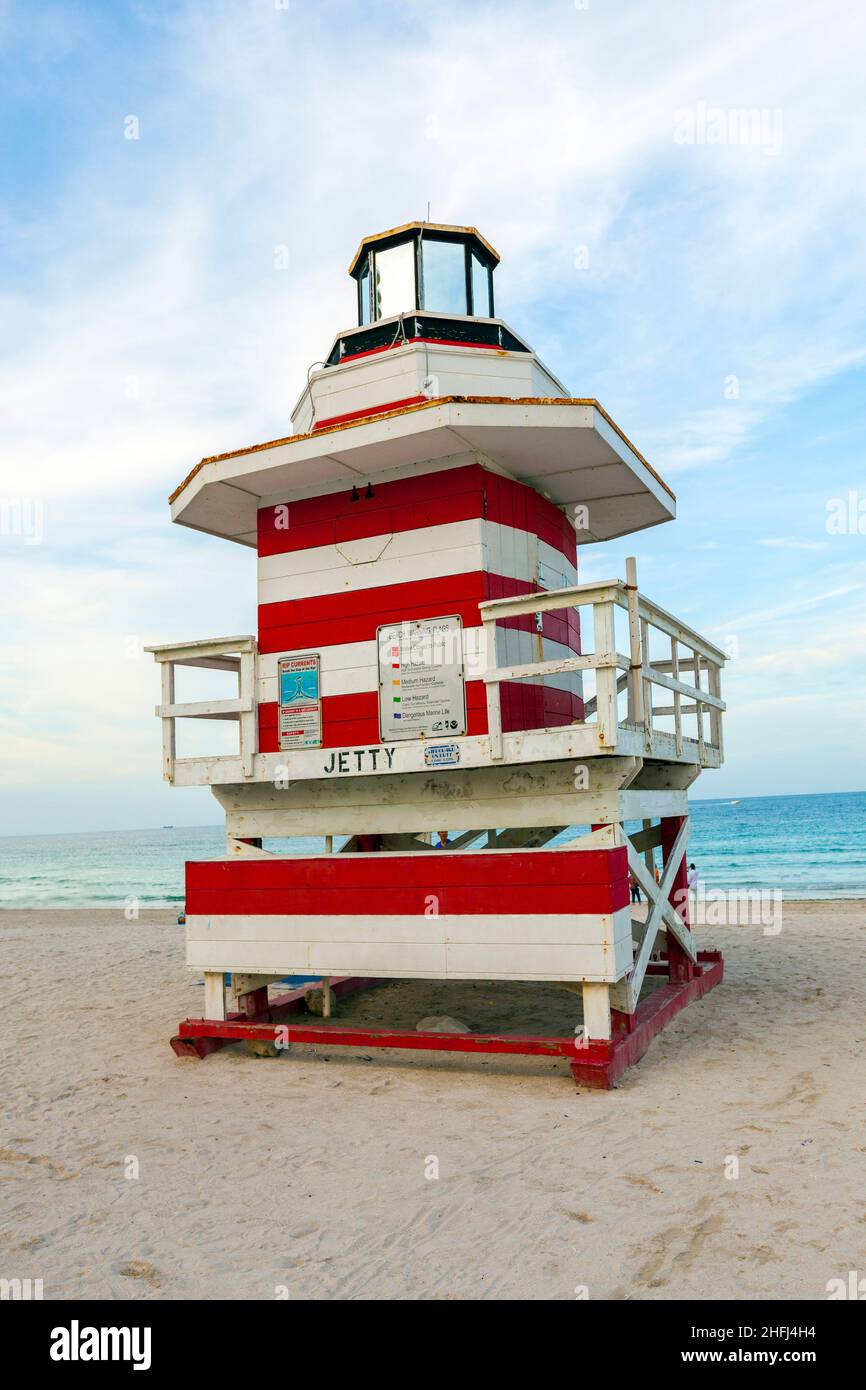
(792, 543)
(803, 602)
(815, 656)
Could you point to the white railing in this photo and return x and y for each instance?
(237, 654)
(640, 672)
(696, 699)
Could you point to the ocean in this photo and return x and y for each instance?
(805, 846)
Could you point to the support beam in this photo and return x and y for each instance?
(646, 839)
(596, 1011)
(254, 1003)
(460, 798)
(661, 899)
(673, 922)
(467, 838)
(404, 842)
(648, 847)
(248, 984)
(250, 847)
(214, 995)
(525, 838)
(675, 831)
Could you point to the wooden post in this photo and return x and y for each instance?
(254, 1002)
(679, 965)
(635, 681)
(327, 996)
(678, 718)
(494, 708)
(215, 995)
(715, 714)
(596, 1011)
(248, 719)
(605, 676)
(699, 708)
(647, 687)
(648, 854)
(169, 743)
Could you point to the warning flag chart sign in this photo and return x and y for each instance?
(422, 692)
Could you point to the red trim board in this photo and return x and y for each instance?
(510, 882)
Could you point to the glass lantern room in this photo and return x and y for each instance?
(424, 267)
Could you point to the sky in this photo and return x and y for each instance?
(677, 193)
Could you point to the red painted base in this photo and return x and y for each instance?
(595, 1064)
(197, 1037)
(602, 1064)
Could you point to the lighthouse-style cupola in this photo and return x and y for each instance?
(425, 307)
(424, 266)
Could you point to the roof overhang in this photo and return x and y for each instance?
(569, 450)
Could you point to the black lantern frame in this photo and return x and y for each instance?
(475, 292)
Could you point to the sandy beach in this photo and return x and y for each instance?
(306, 1174)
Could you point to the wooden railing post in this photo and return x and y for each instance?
(715, 714)
(604, 644)
(678, 717)
(169, 742)
(699, 707)
(635, 681)
(647, 687)
(494, 706)
(248, 720)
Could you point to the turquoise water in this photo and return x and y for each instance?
(807, 846)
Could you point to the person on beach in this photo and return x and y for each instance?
(692, 878)
(443, 839)
(635, 888)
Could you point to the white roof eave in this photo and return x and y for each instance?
(567, 450)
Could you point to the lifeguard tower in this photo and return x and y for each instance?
(426, 657)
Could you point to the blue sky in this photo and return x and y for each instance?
(698, 271)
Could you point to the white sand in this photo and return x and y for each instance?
(310, 1173)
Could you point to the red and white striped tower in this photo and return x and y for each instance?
(426, 657)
